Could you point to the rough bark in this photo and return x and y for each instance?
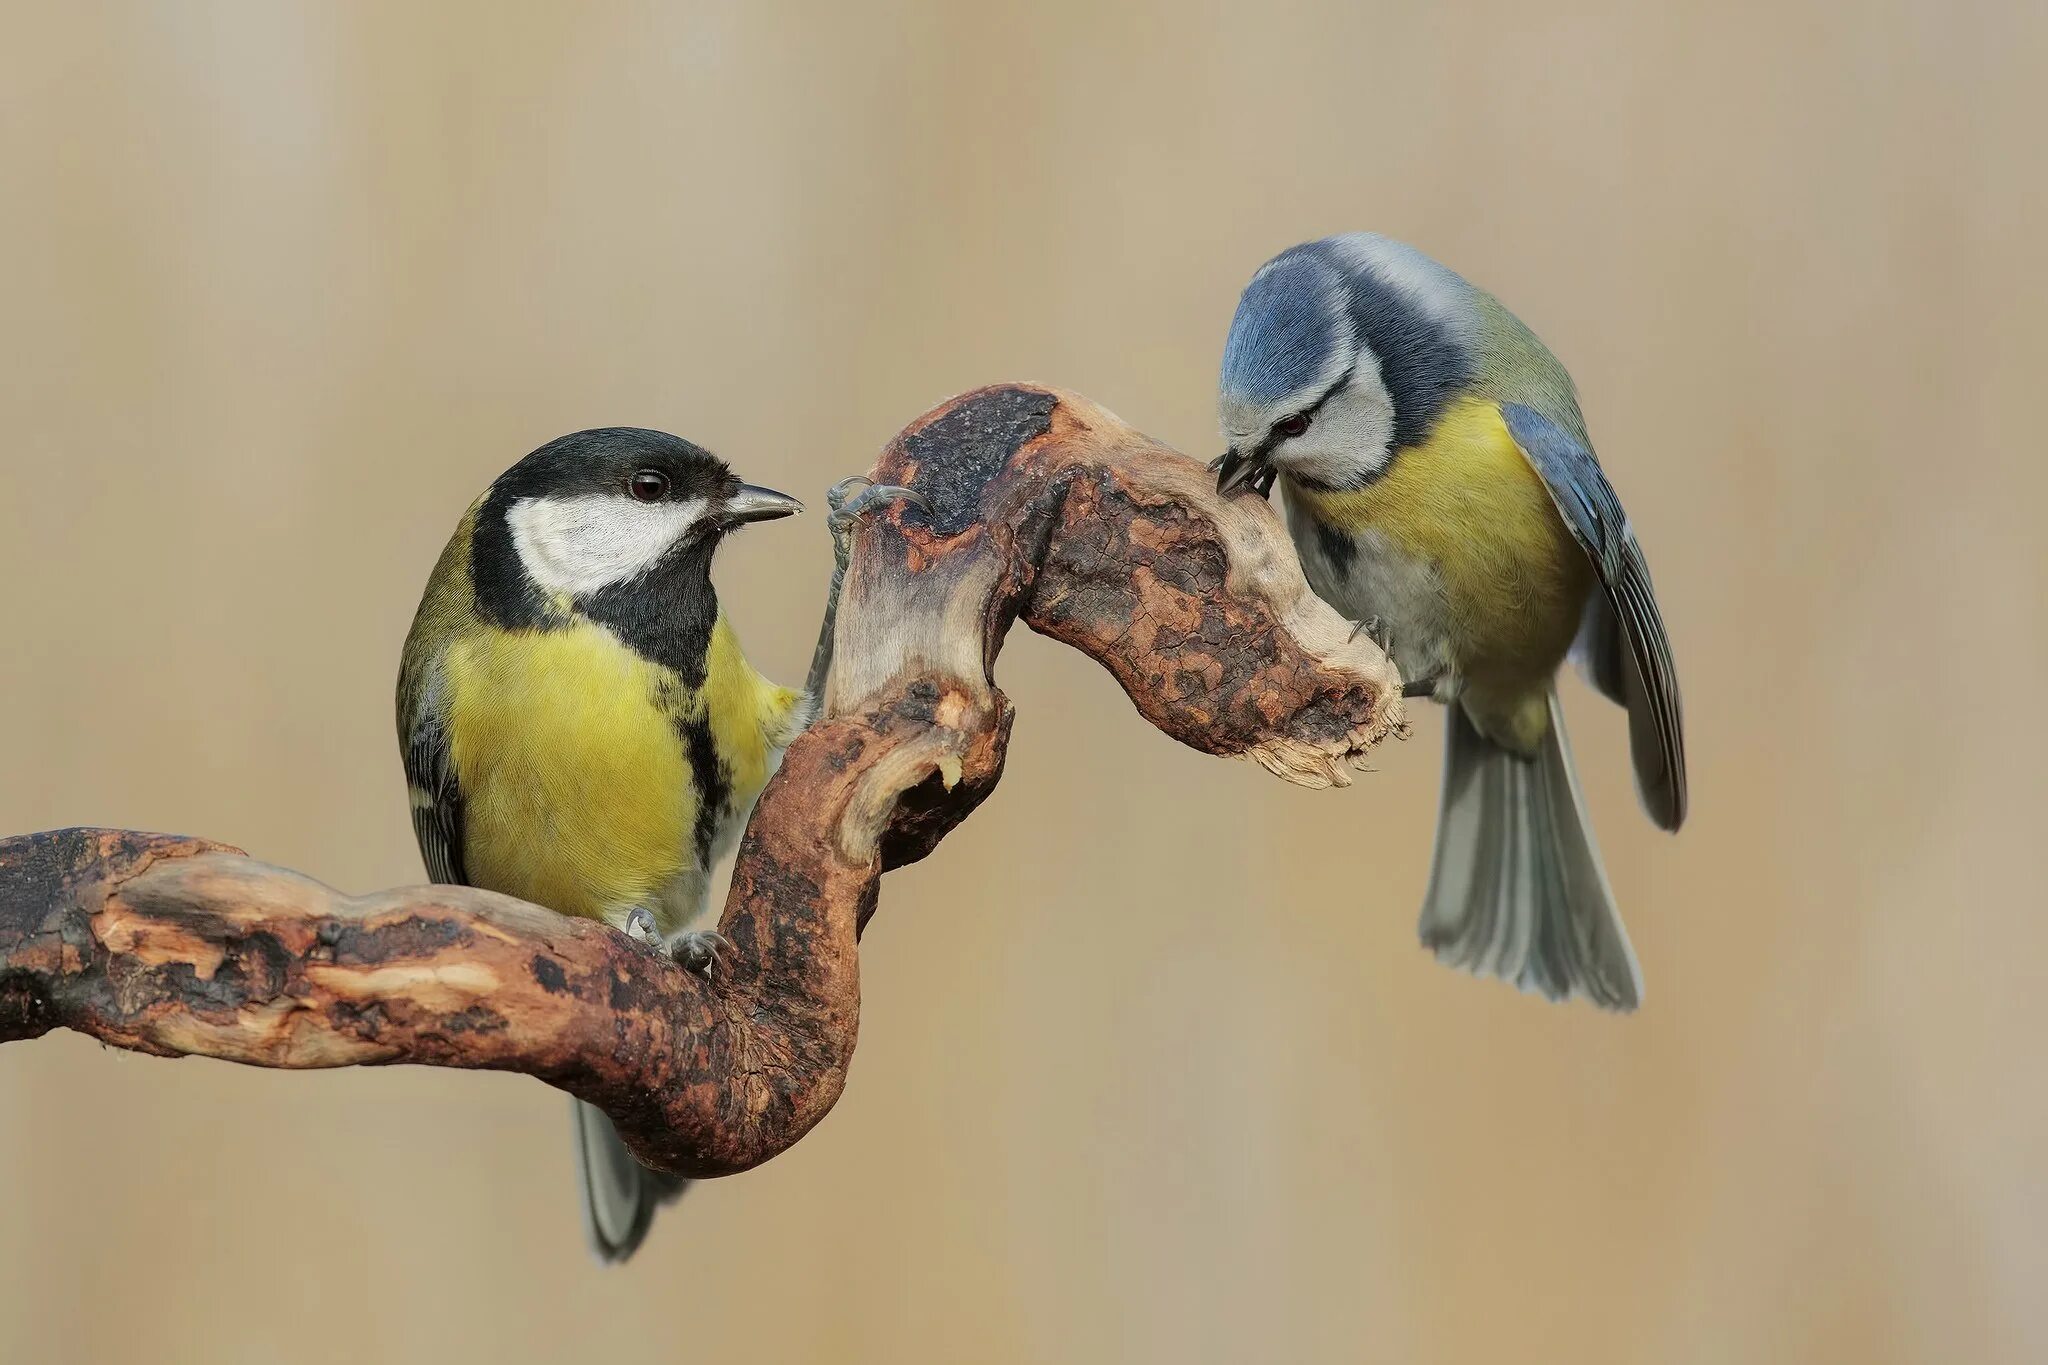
(1042, 507)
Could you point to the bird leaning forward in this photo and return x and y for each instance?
(1441, 489)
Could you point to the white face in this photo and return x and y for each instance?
(1350, 434)
(577, 545)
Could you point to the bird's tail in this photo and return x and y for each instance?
(1516, 890)
(619, 1194)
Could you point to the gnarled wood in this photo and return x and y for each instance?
(1042, 507)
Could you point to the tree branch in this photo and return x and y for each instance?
(1042, 507)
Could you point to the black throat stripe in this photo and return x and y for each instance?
(713, 776)
(666, 615)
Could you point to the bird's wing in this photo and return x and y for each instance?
(436, 795)
(1649, 678)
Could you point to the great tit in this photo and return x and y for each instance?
(1441, 490)
(579, 726)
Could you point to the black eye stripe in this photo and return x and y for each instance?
(1274, 436)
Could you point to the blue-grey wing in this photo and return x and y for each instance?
(1623, 643)
(436, 798)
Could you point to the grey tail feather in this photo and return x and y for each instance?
(619, 1194)
(1516, 889)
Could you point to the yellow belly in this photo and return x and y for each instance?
(576, 791)
(1467, 502)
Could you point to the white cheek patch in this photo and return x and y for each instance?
(581, 544)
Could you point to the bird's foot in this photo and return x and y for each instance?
(641, 926)
(698, 950)
(853, 498)
(838, 493)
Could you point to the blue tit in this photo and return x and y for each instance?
(579, 726)
(1440, 488)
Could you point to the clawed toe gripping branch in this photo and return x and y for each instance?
(1026, 504)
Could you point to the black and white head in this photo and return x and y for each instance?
(593, 514)
(1342, 352)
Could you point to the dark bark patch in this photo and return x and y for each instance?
(1327, 719)
(225, 991)
(958, 453)
(40, 868)
(24, 1008)
(358, 1021)
(550, 975)
(255, 967)
(625, 995)
(366, 945)
(475, 1019)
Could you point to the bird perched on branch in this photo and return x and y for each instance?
(1441, 489)
(579, 726)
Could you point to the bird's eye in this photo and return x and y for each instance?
(649, 485)
(1292, 426)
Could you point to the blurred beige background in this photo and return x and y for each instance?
(1151, 1066)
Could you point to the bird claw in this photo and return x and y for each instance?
(850, 507)
(838, 493)
(698, 950)
(641, 926)
(1375, 630)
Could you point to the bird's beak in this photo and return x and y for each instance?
(1235, 471)
(759, 504)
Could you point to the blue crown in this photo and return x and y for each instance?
(1289, 322)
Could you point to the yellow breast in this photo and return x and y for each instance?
(575, 774)
(1467, 502)
(576, 791)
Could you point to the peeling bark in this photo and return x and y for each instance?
(1042, 507)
